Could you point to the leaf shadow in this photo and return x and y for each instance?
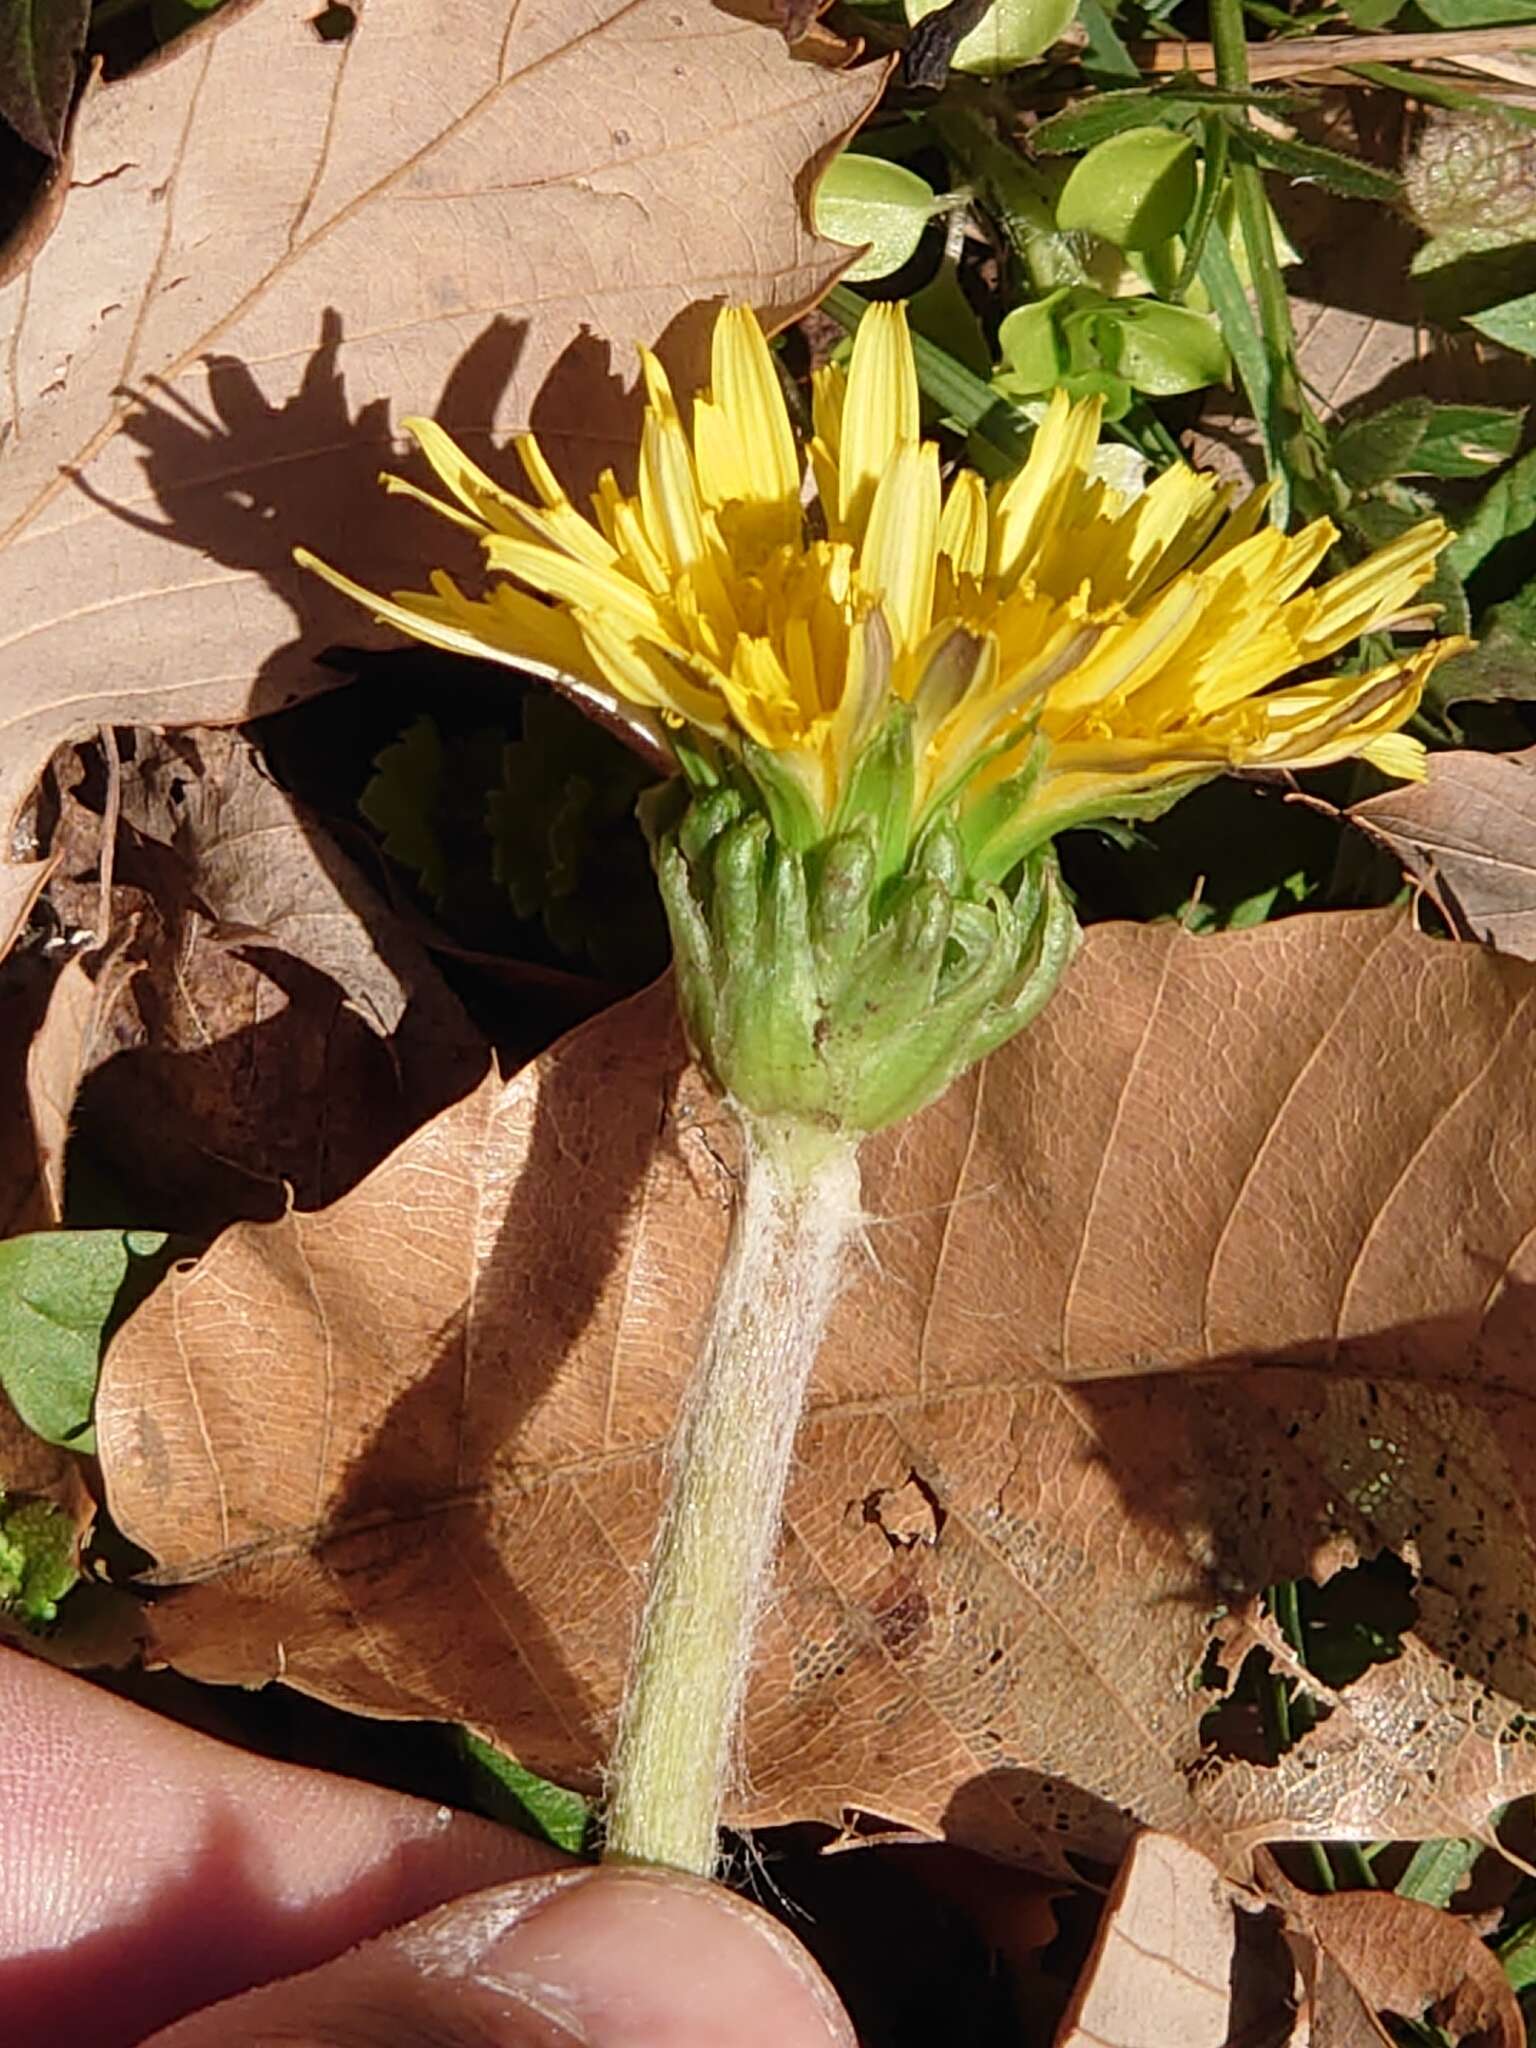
(1418, 1440)
(1355, 261)
(295, 1108)
(429, 1508)
(243, 481)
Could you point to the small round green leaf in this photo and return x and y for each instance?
(1031, 347)
(1163, 350)
(1134, 190)
(868, 199)
(1010, 34)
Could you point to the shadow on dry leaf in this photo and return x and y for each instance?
(244, 482)
(1109, 1369)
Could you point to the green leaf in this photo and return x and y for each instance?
(1316, 166)
(868, 199)
(1106, 60)
(1010, 33)
(1506, 508)
(1240, 330)
(59, 1299)
(40, 45)
(1134, 190)
(401, 799)
(39, 1559)
(1478, 13)
(1416, 437)
(503, 1790)
(1435, 1871)
(1503, 663)
(1435, 92)
(945, 316)
(1174, 105)
(1030, 343)
(565, 845)
(1513, 324)
(1469, 440)
(1372, 14)
(1368, 451)
(1517, 1952)
(1164, 350)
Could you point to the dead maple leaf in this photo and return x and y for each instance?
(577, 178)
(1167, 1301)
(1469, 835)
(1365, 1953)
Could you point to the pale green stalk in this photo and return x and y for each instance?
(798, 1209)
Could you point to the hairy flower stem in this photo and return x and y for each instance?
(797, 1211)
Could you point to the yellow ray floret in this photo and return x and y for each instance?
(1114, 647)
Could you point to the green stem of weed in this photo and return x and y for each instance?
(1435, 92)
(1300, 467)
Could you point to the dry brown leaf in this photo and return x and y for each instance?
(283, 1029)
(1164, 1303)
(264, 871)
(1161, 1967)
(1469, 835)
(577, 173)
(1375, 1952)
(20, 887)
(66, 1047)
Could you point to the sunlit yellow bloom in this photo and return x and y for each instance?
(1065, 651)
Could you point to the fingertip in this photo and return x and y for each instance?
(634, 1958)
(584, 1958)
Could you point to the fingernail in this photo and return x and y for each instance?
(628, 1958)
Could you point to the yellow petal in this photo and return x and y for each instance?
(742, 436)
(649, 675)
(1058, 459)
(896, 562)
(1154, 536)
(669, 489)
(963, 527)
(880, 411)
(1125, 657)
(577, 583)
(1399, 755)
(1372, 591)
(829, 394)
(509, 627)
(402, 487)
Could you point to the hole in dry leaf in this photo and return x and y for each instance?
(906, 1515)
(1338, 1630)
(334, 24)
